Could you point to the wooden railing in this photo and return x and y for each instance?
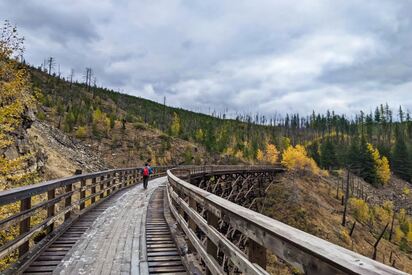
(196, 209)
(54, 205)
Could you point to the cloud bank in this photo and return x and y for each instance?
(243, 56)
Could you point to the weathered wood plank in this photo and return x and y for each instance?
(306, 252)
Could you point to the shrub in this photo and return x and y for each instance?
(296, 158)
(360, 209)
(81, 132)
(344, 235)
(398, 234)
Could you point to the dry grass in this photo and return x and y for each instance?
(309, 203)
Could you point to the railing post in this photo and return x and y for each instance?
(192, 223)
(51, 209)
(102, 178)
(121, 177)
(257, 253)
(136, 176)
(211, 248)
(93, 190)
(82, 193)
(68, 201)
(128, 178)
(109, 183)
(113, 181)
(25, 204)
(140, 177)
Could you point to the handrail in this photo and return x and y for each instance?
(307, 253)
(64, 200)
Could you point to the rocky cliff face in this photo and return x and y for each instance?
(48, 153)
(22, 146)
(64, 154)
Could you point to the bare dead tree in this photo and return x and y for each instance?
(375, 246)
(346, 199)
(51, 63)
(352, 229)
(88, 78)
(71, 77)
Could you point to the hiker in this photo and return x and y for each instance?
(147, 171)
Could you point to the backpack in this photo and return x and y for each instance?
(145, 171)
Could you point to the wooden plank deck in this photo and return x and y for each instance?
(110, 239)
(162, 254)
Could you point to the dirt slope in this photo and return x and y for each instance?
(309, 203)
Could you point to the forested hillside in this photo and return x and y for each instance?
(369, 144)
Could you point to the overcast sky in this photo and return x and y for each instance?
(247, 56)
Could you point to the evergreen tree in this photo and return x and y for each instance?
(313, 151)
(328, 158)
(400, 161)
(353, 159)
(367, 163)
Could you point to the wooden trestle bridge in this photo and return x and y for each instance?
(191, 220)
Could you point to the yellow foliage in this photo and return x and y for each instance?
(175, 127)
(402, 215)
(272, 153)
(81, 132)
(406, 190)
(360, 209)
(239, 155)
(381, 164)
(382, 214)
(398, 234)
(296, 158)
(199, 135)
(259, 155)
(101, 121)
(15, 99)
(344, 235)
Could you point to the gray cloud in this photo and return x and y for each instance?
(255, 56)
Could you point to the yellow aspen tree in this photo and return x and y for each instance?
(259, 155)
(272, 153)
(381, 164)
(199, 135)
(296, 158)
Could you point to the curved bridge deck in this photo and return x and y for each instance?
(111, 239)
(106, 223)
(106, 240)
